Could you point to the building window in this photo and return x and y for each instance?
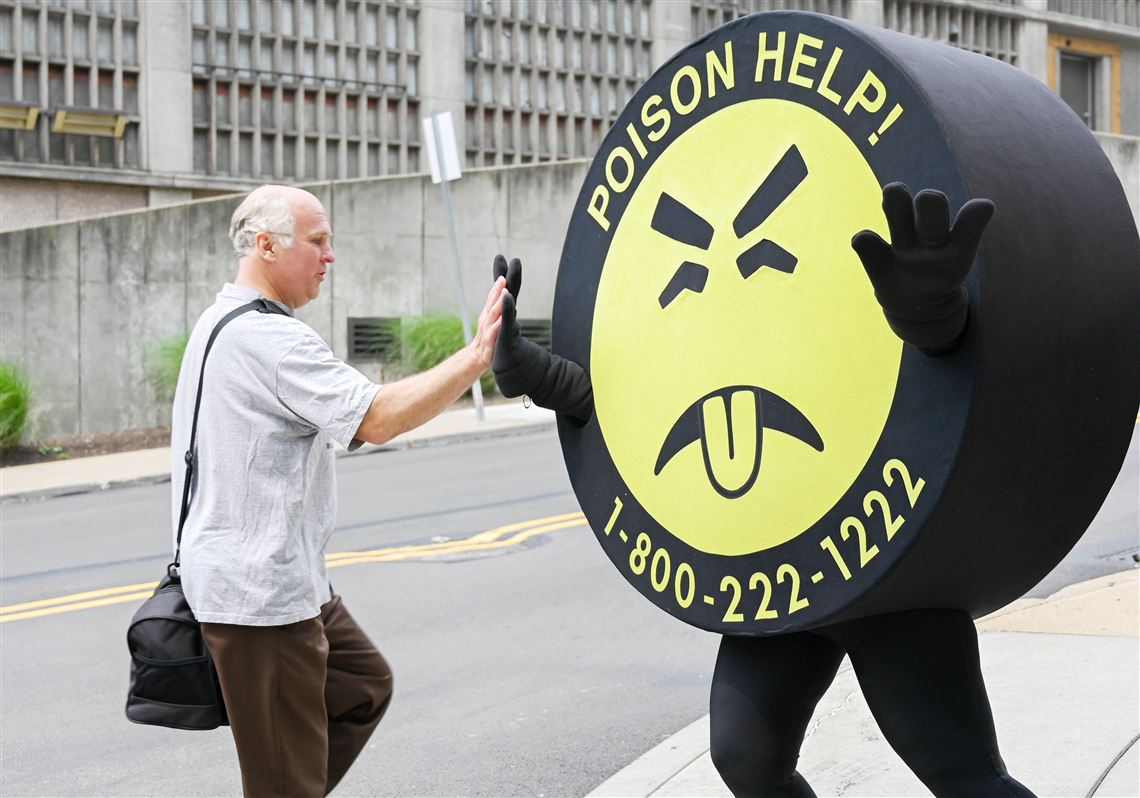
(94, 65)
(561, 51)
(349, 56)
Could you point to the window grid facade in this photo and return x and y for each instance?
(709, 14)
(1120, 12)
(305, 89)
(990, 32)
(82, 53)
(545, 79)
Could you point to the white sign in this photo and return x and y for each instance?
(446, 145)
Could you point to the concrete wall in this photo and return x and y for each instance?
(81, 303)
(1124, 153)
(1129, 89)
(26, 202)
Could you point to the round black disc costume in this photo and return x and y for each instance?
(761, 455)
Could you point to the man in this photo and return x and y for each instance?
(304, 687)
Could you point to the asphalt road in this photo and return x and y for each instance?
(532, 669)
(529, 668)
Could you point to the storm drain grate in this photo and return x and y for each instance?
(537, 330)
(371, 339)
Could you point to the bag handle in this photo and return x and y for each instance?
(261, 306)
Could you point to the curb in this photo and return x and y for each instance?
(450, 438)
(656, 767)
(412, 442)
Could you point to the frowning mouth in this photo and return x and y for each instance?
(730, 423)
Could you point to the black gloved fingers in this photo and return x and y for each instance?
(514, 277)
(931, 216)
(899, 210)
(509, 328)
(970, 223)
(504, 358)
(499, 269)
(873, 252)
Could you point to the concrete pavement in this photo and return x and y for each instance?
(1063, 672)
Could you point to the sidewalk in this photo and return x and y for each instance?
(86, 474)
(1063, 675)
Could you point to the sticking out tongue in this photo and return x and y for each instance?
(732, 436)
(730, 424)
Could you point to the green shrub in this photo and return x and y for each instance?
(163, 362)
(15, 399)
(425, 341)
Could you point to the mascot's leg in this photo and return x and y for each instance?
(920, 673)
(764, 690)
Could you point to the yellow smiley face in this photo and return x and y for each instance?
(742, 368)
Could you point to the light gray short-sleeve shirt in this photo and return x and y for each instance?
(263, 500)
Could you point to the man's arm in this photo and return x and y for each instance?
(406, 404)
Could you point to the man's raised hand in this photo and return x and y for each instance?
(488, 329)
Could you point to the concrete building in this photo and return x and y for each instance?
(109, 105)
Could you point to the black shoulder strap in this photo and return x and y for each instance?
(261, 306)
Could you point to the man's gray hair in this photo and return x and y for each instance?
(261, 212)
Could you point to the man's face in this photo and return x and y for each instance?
(300, 269)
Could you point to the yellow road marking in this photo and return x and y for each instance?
(423, 548)
(491, 539)
(82, 605)
(91, 594)
(380, 555)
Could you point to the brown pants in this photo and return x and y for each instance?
(302, 699)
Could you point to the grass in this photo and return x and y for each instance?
(163, 362)
(425, 341)
(15, 400)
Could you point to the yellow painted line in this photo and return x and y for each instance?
(82, 605)
(381, 555)
(76, 597)
(491, 534)
(483, 541)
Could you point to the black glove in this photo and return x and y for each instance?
(919, 278)
(522, 366)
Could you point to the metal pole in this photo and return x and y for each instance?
(476, 389)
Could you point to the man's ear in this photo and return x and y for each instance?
(266, 246)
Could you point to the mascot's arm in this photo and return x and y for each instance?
(919, 278)
(522, 366)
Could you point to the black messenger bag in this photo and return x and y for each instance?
(173, 680)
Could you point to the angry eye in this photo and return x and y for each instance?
(766, 253)
(690, 276)
(675, 220)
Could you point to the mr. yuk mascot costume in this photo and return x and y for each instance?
(820, 414)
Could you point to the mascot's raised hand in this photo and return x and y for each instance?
(919, 278)
(523, 367)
